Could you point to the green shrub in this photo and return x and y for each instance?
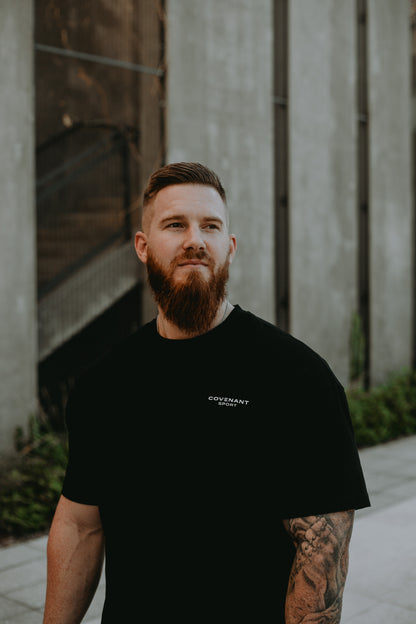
(385, 412)
(31, 482)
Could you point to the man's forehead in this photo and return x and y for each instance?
(188, 194)
(187, 199)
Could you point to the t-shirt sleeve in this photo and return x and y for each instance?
(322, 471)
(82, 479)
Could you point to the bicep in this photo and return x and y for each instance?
(76, 516)
(76, 535)
(323, 529)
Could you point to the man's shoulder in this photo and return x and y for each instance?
(260, 329)
(257, 327)
(279, 346)
(126, 352)
(118, 363)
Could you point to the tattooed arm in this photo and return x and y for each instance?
(319, 570)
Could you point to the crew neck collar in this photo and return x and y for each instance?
(212, 333)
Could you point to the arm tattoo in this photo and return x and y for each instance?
(319, 570)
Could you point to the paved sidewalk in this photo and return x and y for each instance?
(23, 583)
(381, 582)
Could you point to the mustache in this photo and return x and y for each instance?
(190, 254)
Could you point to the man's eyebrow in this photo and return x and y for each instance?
(182, 217)
(213, 218)
(175, 217)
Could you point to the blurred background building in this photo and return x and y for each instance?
(305, 108)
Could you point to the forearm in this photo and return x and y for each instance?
(319, 570)
(309, 600)
(74, 566)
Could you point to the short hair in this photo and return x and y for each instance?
(182, 173)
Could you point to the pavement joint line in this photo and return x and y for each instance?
(380, 601)
(38, 581)
(13, 566)
(19, 603)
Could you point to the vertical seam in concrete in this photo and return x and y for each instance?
(281, 164)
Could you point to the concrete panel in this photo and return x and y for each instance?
(322, 168)
(390, 187)
(220, 112)
(18, 348)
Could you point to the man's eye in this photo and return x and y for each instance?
(212, 226)
(174, 225)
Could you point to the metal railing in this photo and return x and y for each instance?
(85, 183)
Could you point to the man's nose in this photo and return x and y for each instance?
(194, 239)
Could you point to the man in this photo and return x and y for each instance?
(213, 452)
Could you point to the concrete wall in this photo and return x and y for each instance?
(220, 68)
(322, 169)
(17, 221)
(390, 188)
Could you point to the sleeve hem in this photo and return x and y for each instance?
(79, 498)
(322, 510)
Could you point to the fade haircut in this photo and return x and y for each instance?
(181, 173)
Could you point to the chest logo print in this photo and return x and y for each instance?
(228, 401)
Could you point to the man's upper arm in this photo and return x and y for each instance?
(320, 566)
(85, 517)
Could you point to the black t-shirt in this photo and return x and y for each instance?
(195, 450)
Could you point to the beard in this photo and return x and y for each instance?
(191, 304)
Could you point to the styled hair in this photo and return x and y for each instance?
(182, 173)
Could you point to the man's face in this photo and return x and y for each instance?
(186, 232)
(187, 250)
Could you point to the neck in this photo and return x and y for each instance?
(169, 330)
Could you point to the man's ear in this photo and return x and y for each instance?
(140, 245)
(233, 247)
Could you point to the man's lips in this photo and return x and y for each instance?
(192, 263)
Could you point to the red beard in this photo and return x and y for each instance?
(193, 304)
